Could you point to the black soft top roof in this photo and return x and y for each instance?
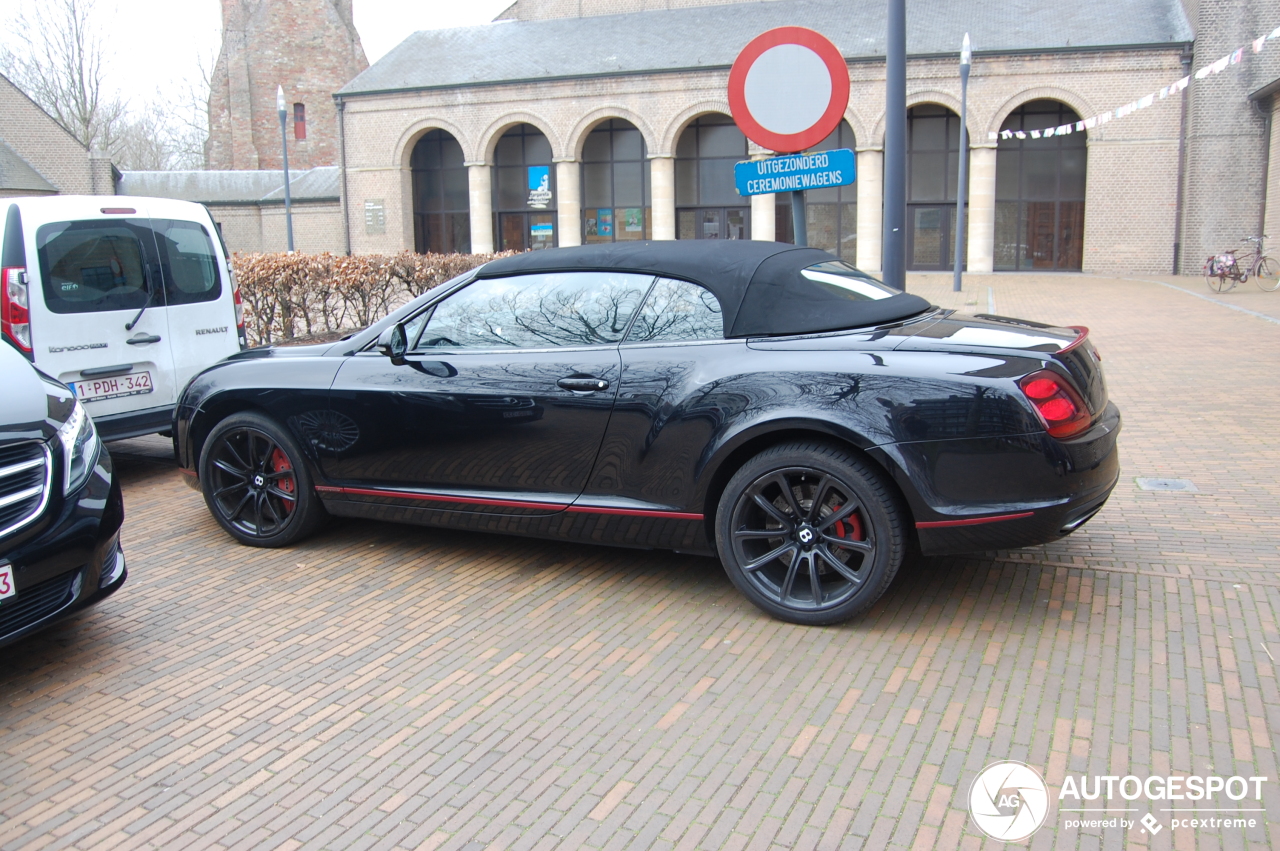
(759, 284)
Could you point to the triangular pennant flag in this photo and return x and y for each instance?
(1258, 43)
(1237, 56)
(1146, 101)
(1019, 134)
(1079, 126)
(1035, 134)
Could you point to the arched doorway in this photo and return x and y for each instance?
(933, 162)
(831, 215)
(708, 205)
(1040, 183)
(441, 205)
(524, 190)
(615, 184)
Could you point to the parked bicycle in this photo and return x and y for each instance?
(1223, 271)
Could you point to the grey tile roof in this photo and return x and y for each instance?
(233, 187)
(17, 175)
(712, 36)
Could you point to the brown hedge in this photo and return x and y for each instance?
(292, 296)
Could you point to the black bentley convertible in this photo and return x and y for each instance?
(765, 403)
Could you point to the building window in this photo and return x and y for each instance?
(441, 203)
(300, 122)
(615, 184)
(708, 205)
(524, 190)
(1040, 191)
(831, 215)
(933, 164)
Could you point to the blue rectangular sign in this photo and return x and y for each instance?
(795, 172)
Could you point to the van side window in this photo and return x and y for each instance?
(87, 267)
(188, 260)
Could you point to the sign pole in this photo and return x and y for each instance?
(797, 219)
(895, 146)
(966, 59)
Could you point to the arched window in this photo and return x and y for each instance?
(615, 184)
(441, 204)
(1040, 182)
(708, 205)
(933, 163)
(300, 122)
(831, 215)
(524, 190)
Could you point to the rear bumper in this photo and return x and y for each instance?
(1003, 493)
(134, 423)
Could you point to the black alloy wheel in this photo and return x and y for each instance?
(809, 533)
(256, 482)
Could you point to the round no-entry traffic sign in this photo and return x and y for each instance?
(788, 89)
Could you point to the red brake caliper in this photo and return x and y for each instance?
(280, 464)
(855, 526)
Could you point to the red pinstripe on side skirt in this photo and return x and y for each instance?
(972, 521)
(507, 503)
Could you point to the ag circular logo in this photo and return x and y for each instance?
(1008, 801)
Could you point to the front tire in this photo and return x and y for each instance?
(810, 533)
(256, 482)
(1268, 277)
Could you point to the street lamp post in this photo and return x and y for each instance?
(284, 149)
(966, 59)
(895, 146)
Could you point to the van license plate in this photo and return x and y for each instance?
(109, 388)
(6, 581)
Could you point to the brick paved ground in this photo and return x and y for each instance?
(395, 687)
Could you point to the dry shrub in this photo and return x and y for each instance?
(291, 296)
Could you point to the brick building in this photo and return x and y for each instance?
(311, 48)
(39, 157)
(620, 108)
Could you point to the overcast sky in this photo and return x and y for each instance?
(155, 44)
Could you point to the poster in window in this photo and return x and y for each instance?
(634, 218)
(539, 186)
(604, 223)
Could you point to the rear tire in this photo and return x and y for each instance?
(256, 482)
(810, 533)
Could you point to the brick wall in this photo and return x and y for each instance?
(317, 227)
(308, 46)
(1226, 143)
(46, 146)
(1132, 162)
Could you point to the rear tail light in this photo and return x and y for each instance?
(235, 297)
(1059, 405)
(15, 307)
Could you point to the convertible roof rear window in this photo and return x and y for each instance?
(844, 280)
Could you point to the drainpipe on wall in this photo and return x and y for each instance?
(1182, 166)
(1265, 115)
(342, 170)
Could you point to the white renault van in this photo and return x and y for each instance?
(121, 298)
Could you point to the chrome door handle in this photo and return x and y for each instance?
(581, 385)
(142, 339)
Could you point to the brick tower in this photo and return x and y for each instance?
(308, 46)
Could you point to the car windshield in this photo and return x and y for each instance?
(842, 279)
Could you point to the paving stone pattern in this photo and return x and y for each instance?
(394, 687)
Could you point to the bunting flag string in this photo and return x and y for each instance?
(1235, 57)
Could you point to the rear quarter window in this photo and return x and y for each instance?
(87, 267)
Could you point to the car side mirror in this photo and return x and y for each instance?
(394, 344)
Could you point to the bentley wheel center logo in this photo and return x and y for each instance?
(1009, 801)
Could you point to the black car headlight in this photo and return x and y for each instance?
(80, 447)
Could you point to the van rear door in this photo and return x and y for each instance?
(94, 277)
(198, 296)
